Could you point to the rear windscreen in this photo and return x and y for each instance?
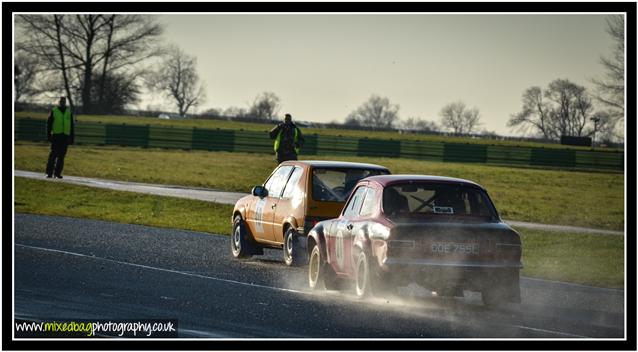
(436, 199)
(335, 184)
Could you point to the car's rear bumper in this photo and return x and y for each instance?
(468, 275)
(415, 263)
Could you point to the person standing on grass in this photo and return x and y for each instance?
(60, 133)
(288, 140)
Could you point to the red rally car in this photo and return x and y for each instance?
(439, 232)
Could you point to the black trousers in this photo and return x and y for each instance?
(59, 144)
(283, 156)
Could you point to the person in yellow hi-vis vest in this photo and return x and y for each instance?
(60, 132)
(288, 140)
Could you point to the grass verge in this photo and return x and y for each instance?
(53, 198)
(533, 195)
(579, 258)
(588, 259)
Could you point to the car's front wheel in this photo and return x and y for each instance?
(239, 241)
(293, 255)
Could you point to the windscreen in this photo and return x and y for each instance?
(335, 184)
(446, 201)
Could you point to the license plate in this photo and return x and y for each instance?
(455, 248)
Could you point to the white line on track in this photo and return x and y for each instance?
(548, 331)
(234, 281)
(162, 269)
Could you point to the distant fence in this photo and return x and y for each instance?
(259, 142)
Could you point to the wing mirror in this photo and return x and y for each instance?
(260, 191)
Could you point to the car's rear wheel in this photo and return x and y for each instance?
(363, 285)
(316, 268)
(293, 255)
(239, 241)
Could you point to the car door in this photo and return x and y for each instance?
(263, 210)
(359, 224)
(340, 239)
(290, 204)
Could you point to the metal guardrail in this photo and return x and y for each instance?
(257, 142)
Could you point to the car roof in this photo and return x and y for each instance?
(388, 180)
(334, 164)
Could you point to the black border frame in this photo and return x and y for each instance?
(8, 8)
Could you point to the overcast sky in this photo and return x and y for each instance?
(324, 66)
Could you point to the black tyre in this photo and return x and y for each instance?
(293, 254)
(240, 244)
(316, 267)
(363, 287)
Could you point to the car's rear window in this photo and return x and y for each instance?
(444, 200)
(335, 184)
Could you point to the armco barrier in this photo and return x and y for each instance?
(170, 137)
(379, 147)
(466, 153)
(259, 142)
(502, 155)
(217, 140)
(90, 134)
(30, 130)
(127, 135)
(425, 150)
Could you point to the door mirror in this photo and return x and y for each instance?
(259, 191)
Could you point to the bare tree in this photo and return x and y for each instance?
(235, 112)
(459, 118)
(24, 76)
(572, 109)
(563, 109)
(177, 78)
(376, 112)
(611, 89)
(127, 41)
(114, 93)
(265, 105)
(74, 48)
(416, 124)
(604, 128)
(535, 114)
(44, 40)
(212, 112)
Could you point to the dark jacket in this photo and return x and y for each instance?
(287, 144)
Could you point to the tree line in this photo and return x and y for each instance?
(102, 63)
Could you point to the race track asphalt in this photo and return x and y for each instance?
(67, 268)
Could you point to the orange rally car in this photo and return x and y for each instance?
(296, 195)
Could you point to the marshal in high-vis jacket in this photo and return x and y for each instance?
(61, 133)
(288, 141)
